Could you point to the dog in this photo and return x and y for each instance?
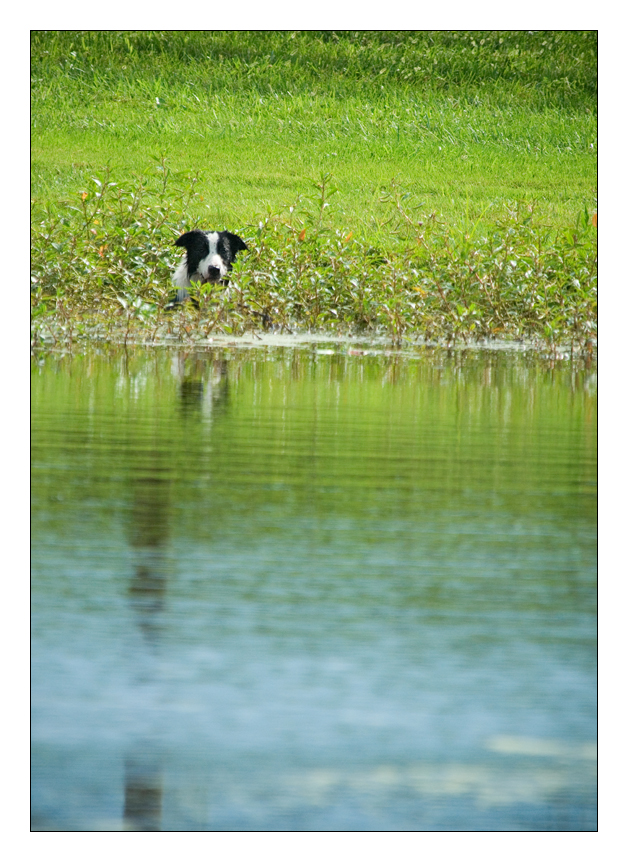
(209, 255)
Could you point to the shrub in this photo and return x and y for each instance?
(102, 264)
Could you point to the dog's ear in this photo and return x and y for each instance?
(237, 243)
(188, 239)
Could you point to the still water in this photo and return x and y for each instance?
(297, 589)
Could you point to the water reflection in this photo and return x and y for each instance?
(203, 384)
(143, 792)
(203, 389)
(149, 535)
(295, 589)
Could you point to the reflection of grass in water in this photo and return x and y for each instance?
(471, 429)
(442, 469)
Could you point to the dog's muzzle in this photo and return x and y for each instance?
(213, 275)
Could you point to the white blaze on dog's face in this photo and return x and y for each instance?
(211, 268)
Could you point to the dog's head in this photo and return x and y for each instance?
(209, 256)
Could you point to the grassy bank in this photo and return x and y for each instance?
(438, 184)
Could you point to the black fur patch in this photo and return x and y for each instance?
(196, 244)
(229, 244)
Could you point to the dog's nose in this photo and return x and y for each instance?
(213, 273)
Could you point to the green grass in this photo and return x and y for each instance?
(464, 131)
(457, 118)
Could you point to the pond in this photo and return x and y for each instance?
(313, 588)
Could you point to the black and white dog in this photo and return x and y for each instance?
(209, 255)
